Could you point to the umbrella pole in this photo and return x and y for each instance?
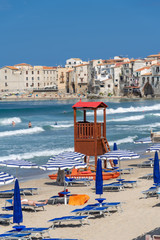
(119, 168)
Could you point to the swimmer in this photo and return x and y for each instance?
(13, 123)
(29, 124)
(55, 123)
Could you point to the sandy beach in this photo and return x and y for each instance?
(138, 217)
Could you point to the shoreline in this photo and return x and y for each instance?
(120, 98)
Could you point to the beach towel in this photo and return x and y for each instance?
(78, 199)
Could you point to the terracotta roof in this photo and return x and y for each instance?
(147, 74)
(11, 67)
(81, 65)
(141, 69)
(81, 104)
(49, 68)
(154, 55)
(22, 64)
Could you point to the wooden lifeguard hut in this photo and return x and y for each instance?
(90, 137)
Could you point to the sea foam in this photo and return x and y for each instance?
(62, 126)
(155, 107)
(127, 119)
(8, 121)
(22, 132)
(123, 140)
(30, 155)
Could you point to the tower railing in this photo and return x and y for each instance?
(87, 130)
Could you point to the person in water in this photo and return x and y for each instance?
(55, 123)
(29, 124)
(13, 123)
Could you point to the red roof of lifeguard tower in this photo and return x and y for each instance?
(81, 104)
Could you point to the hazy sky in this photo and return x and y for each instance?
(47, 32)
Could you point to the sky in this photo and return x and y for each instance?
(47, 32)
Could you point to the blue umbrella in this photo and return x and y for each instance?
(114, 149)
(153, 148)
(156, 173)
(99, 178)
(17, 210)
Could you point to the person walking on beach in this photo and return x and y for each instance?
(29, 124)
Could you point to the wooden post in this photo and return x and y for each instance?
(84, 115)
(75, 128)
(104, 123)
(95, 136)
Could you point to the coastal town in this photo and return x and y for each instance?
(115, 77)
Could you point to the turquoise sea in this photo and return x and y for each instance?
(126, 121)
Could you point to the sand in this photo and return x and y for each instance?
(139, 215)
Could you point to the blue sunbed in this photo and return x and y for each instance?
(10, 236)
(81, 219)
(71, 181)
(33, 231)
(24, 206)
(91, 210)
(6, 218)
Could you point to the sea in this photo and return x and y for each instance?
(52, 129)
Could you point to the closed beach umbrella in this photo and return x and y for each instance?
(156, 173)
(6, 178)
(99, 178)
(17, 210)
(115, 147)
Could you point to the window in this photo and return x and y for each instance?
(85, 74)
(69, 63)
(109, 85)
(26, 84)
(38, 84)
(5, 77)
(74, 62)
(32, 72)
(26, 78)
(152, 80)
(157, 69)
(37, 72)
(5, 71)
(32, 78)
(157, 80)
(38, 78)
(143, 80)
(26, 72)
(6, 84)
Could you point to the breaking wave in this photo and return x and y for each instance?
(62, 126)
(126, 119)
(155, 107)
(8, 121)
(21, 132)
(34, 154)
(123, 140)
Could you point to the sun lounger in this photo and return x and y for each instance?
(6, 218)
(111, 205)
(113, 186)
(71, 181)
(23, 191)
(58, 199)
(131, 183)
(148, 176)
(18, 236)
(81, 219)
(24, 206)
(91, 210)
(152, 191)
(146, 164)
(32, 231)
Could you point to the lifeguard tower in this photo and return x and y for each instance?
(90, 137)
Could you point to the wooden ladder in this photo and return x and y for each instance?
(106, 145)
